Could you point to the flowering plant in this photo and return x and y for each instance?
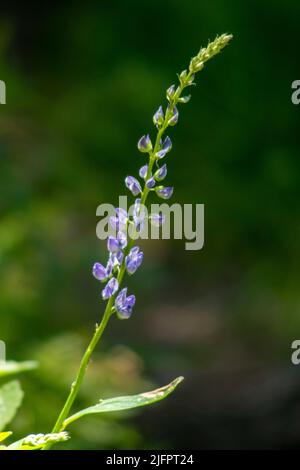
(123, 257)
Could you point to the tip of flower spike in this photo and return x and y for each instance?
(206, 53)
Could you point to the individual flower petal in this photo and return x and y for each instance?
(158, 118)
(119, 222)
(133, 260)
(112, 244)
(110, 288)
(150, 183)
(139, 215)
(161, 173)
(157, 219)
(144, 144)
(137, 206)
(164, 147)
(114, 222)
(173, 120)
(124, 304)
(116, 244)
(99, 272)
(133, 185)
(164, 192)
(122, 214)
(143, 171)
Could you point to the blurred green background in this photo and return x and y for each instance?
(83, 81)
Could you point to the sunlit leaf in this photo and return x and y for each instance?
(11, 396)
(12, 367)
(126, 402)
(37, 441)
(4, 435)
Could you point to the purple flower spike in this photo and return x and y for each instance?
(134, 259)
(143, 171)
(158, 118)
(110, 288)
(164, 147)
(117, 244)
(133, 185)
(173, 120)
(150, 183)
(161, 173)
(157, 219)
(144, 144)
(164, 193)
(99, 272)
(124, 304)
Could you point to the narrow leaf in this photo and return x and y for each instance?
(12, 367)
(11, 396)
(126, 402)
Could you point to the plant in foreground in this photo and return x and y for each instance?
(124, 257)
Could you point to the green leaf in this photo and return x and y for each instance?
(12, 367)
(11, 397)
(37, 441)
(126, 402)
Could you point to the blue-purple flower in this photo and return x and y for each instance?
(110, 288)
(99, 272)
(164, 192)
(145, 144)
(174, 118)
(134, 259)
(138, 215)
(115, 244)
(150, 183)
(133, 185)
(124, 304)
(164, 147)
(161, 173)
(114, 261)
(143, 171)
(119, 221)
(158, 118)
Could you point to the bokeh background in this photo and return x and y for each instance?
(83, 80)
